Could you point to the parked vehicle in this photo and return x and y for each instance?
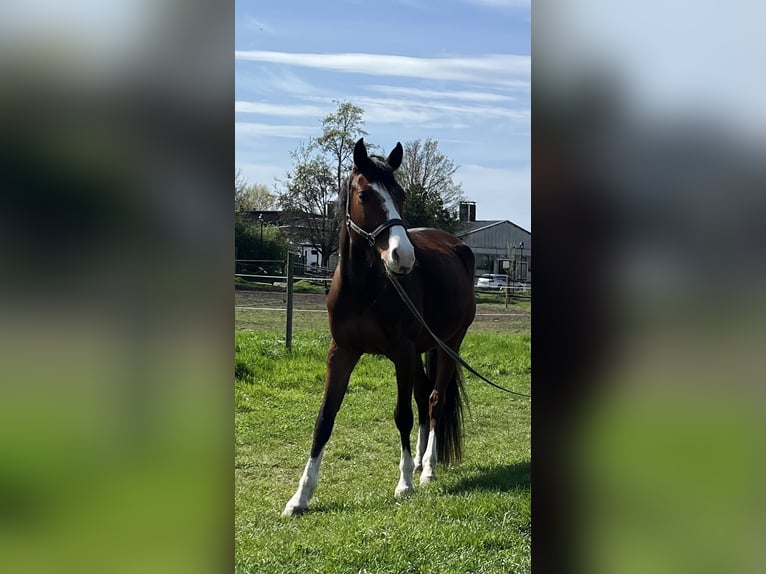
(492, 282)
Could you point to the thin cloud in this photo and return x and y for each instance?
(268, 81)
(292, 110)
(409, 111)
(396, 110)
(440, 94)
(273, 130)
(490, 69)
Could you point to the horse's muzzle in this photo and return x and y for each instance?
(400, 271)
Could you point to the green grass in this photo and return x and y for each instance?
(475, 518)
(310, 317)
(301, 286)
(514, 302)
(304, 321)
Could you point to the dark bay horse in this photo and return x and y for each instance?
(367, 316)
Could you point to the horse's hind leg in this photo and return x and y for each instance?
(407, 367)
(443, 371)
(445, 433)
(422, 392)
(340, 363)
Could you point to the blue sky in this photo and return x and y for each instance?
(457, 71)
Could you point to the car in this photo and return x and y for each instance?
(492, 282)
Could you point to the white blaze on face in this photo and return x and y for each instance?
(399, 256)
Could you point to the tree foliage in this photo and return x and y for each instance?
(321, 165)
(433, 196)
(319, 170)
(310, 188)
(260, 242)
(340, 131)
(249, 197)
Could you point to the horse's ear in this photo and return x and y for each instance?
(361, 159)
(394, 159)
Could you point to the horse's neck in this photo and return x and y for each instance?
(358, 273)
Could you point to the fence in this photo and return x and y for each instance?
(266, 300)
(254, 273)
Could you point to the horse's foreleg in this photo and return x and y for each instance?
(340, 363)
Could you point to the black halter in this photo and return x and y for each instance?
(373, 235)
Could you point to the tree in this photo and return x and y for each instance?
(426, 175)
(340, 131)
(259, 242)
(310, 190)
(319, 170)
(248, 197)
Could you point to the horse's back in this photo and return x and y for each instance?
(446, 266)
(437, 243)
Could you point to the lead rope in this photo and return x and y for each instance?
(452, 354)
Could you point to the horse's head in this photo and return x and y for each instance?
(374, 206)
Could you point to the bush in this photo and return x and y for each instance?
(308, 287)
(265, 243)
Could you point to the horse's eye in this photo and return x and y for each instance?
(362, 196)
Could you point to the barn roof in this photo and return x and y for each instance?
(469, 227)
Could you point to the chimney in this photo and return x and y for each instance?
(467, 211)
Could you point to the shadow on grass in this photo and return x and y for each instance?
(342, 506)
(496, 478)
(503, 478)
(332, 507)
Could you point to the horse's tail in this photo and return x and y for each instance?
(449, 426)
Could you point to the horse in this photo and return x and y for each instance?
(366, 315)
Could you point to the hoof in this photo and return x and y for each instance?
(402, 491)
(427, 478)
(294, 510)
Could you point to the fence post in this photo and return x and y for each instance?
(289, 325)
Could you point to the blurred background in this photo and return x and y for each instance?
(116, 254)
(116, 251)
(648, 197)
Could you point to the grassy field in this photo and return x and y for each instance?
(265, 312)
(475, 518)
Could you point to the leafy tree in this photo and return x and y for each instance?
(310, 190)
(248, 197)
(257, 242)
(258, 197)
(254, 240)
(340, 132)
(426, 175)
(319, 170)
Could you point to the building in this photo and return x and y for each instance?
(500, 246)
(295, 233)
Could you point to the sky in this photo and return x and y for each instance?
(456, 71)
